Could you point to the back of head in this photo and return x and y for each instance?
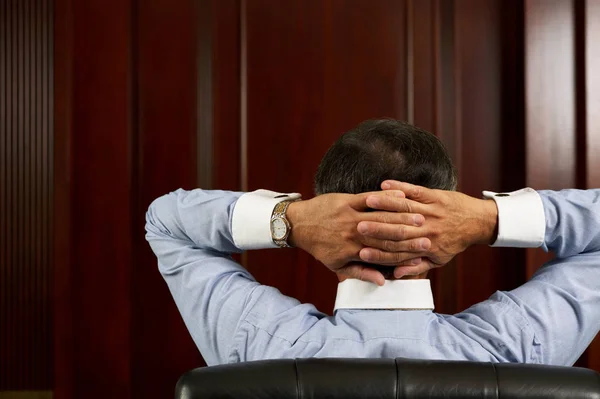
(384, 149)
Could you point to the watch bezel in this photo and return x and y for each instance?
(287, 228)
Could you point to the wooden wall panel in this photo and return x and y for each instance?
(93, 270)
(549, 100)
(26, 174)
(322, 73)
(550, 93)
(165, 155)
(225, 56)
(478, 41)
(591, 94)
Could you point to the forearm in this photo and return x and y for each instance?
(572, 221)
(200, 217)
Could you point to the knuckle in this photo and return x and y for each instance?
(400, 232)
(413, 246)
(376, 256)
(388, 245)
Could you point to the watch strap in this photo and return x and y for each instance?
(279, 212)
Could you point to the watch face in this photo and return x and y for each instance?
(278, 228)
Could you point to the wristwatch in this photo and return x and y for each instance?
(280, 226)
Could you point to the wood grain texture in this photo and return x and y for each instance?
(226, 93)
(165, 151)
(549, 100)
(478, 86)
(64, 370)
(550, 93)
(95, 148)
(26, 186)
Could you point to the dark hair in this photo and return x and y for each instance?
(381, 149)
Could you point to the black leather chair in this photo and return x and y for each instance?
(386, 378)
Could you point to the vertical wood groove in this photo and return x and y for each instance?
(243, 97)
(25, 196)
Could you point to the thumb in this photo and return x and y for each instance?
(417, 193)
(360, 272)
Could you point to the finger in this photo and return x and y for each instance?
(417, 193)
(390, 231)
(363, 273)
(375, 220)
(412, 270)
(380, 257)
(359, 200)
(395, 204)
(407, 249)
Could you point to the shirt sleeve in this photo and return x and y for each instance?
(250, 225)
(553, 317)
(521, 221)
(562, 300)
(190, 233)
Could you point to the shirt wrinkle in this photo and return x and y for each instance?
(191, 234)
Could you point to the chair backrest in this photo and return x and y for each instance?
(386, 378)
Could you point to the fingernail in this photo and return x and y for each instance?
(363, 228)
(415, 261)
(365, 255)
(385, 185)
(373, 202)
(419, 219)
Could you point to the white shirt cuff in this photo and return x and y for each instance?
(521, 218)
(251, 220)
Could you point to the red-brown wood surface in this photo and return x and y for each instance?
(592, 120)
(64, 372)
(549, 101)
(94, 167)
(592, 93)
(226, 91)
(165, 154)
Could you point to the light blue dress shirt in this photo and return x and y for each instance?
(551, 319)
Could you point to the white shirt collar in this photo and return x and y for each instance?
(394, 294)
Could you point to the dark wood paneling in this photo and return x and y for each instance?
(549, 100)
(226, 92)
(96, 115)
(424, 47)
(64, 371)
(592, 94)
(322, 73)
(550, 93)
(478, 51)
(444, 280)
(591, 61)
(165, 51)
(26, 173)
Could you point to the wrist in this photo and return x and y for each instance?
(294, 216)
(488, 229)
